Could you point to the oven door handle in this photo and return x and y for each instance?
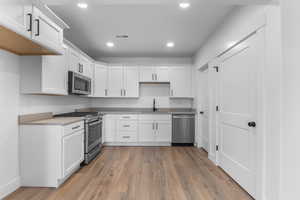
(95, 123)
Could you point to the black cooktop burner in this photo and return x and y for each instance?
(78, 114)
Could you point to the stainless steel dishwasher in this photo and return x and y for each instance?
(183, 129)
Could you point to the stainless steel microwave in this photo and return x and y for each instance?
(79, 84)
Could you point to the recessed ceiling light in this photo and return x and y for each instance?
(184, 5)
(110, 44)
(82, 5)
(170, 44)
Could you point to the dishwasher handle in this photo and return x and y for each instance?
(183, 117)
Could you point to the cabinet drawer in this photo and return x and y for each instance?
(127, 125)
(73, 128)
(127, 137)
(128, 117)
(159, 117)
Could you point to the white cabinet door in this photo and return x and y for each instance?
(109, 128)
(73, 151)
(180, 80)
(147, 74)
(162, 74)
(73, 60)
(163, 131)
(100, 81)
(115, 81)
(46, 32)
(16, 15)
(87, 69)
(146, 131)
(131, 81)
(54, 74)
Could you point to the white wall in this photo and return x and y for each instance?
(57, 104)
(9, 90)
(290, 163)
(239, 24)
(11, 105)
(147, 91)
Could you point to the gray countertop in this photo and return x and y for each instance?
(140, 110)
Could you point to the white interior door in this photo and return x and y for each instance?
(204, 109)
(238, 99)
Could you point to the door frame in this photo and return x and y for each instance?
(200, 71)
(260, 129)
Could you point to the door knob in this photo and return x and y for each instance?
(252, 124)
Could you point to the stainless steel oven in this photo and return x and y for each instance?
(79, 84)
(93, 137)
(93, 133)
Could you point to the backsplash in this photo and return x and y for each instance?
(143, 102)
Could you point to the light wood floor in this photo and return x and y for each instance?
(143, 173)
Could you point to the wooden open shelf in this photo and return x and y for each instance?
(17, 44)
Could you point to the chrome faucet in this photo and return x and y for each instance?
(154, 105)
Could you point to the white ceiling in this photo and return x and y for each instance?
(149, 24)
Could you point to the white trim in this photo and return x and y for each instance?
(136, 144)
(10, 187)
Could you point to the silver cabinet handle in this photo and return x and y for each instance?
(37, 27)
(153, 126)
(126, 117)
(156, 126)
(156, 77)
(126, 126)
(172, 93)
(30, 22)
(124, 92)
(127, 137)
(105, 92)
(152, 77)
(121, 92)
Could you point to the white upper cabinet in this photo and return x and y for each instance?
(46, 32)
(100, 80)
(74, 60)
(40, 29)
(162, 74)
(87, 67)
(79, 63)
(147, 74)
(55, 71)
(115, 81)
(17, 15)
(131, 82)
(180, 82)
(44, 74)
(154, 74)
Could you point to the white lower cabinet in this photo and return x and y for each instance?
(49, 154)
(72, 151)
(155, 128)
(137, 130)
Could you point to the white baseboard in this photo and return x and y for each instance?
(212, 158)
(10, 187)
(137, 144)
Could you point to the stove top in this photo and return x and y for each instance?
(79, 114)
